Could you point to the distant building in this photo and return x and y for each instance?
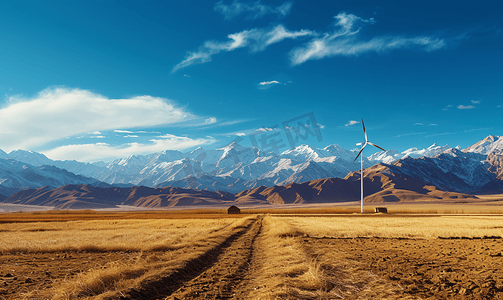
(381, 210)
(233, 210)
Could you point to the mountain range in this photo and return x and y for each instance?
(249, 175)
(232, 168)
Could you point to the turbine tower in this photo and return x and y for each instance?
(361, 159)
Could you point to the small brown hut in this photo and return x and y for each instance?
(381, 210)
(233, 210)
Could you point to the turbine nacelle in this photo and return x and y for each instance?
(365, 143)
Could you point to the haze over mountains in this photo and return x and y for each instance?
(249, 175)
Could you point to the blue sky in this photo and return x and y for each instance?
(96, 80)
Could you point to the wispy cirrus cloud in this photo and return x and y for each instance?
(59, 113)
(440, 134)
(254, 10)
(409, 134)
(123, 131)
(478, 129)
(421, 124)
(255, 40)
(345, 41)
(267, 84)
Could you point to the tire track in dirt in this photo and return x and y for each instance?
(221, 280)
(211, 275)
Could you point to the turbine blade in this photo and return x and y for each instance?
(376, 146)
(364, 131)
(360, 152)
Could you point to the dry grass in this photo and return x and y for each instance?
(488, 204)
(285, 268)
(192, 237)
(493, 207)
(399, 227)
(74, 215)
(102, 236)
(290, 271)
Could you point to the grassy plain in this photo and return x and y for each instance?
(389, 226)
(305, 254)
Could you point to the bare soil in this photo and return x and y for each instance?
(440, 268)
(426, 269)
(21, 273)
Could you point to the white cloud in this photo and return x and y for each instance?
(255, 10)
(345, 41)
(241, 134)
(123, 131)
(94, 132)
(419, 124)
(466, 106)
(447, 107)
(499, 106)
(269, 82)
(266, 129)
(104, 151)
(58, 113)
(219, 124)
(255, 39)
(278, 34)
(475, 102)
(211, 120)
(352, 122)
(130, 136)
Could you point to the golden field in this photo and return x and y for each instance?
(305, 254)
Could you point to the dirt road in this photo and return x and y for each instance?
(218, 274)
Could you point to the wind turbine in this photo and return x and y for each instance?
(361, 158)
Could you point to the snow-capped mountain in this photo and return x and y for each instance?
(390, 156)
(234, 167)
(431, 151)
(38, 159)
(15, 175)
(476, 168)
(491, 144)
